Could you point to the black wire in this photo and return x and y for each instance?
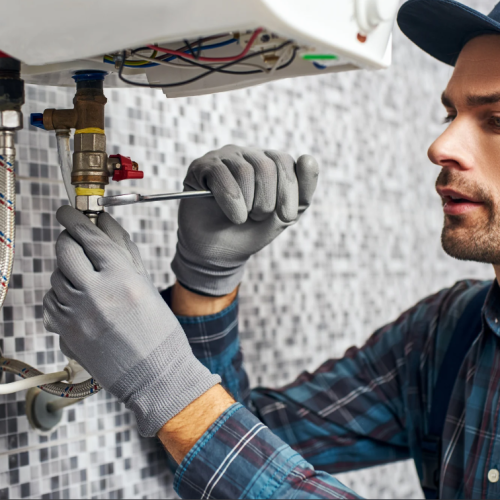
(201, 40)
(198, 42)
(211, 70)
(207, 73)
(250, 72)
(188, 45)
(200, 48)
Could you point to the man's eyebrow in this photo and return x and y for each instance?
(473, 99)
(481, 100)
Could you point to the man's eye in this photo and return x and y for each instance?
(450, 118)
(495, 121)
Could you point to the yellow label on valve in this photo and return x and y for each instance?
(90, 130)
(89, 192)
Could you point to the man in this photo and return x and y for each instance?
(370, 407)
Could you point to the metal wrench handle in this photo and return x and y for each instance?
(130, 199)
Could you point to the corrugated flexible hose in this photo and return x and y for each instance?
(7, 209)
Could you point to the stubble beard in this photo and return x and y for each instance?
(471, 237)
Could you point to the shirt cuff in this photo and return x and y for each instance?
(210, 336)
(239, 457)
(215, 342)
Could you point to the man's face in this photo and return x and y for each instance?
(469, 154)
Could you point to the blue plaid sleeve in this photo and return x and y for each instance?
(239, 457)
(362, 410)
(367, 408)
(215, 342)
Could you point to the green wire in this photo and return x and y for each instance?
(313, 57)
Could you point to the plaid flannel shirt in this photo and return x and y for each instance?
(368, 408)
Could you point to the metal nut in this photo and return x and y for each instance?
(88, 204)
(11, 120)
(90, 142)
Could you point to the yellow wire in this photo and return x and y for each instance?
(134, 63)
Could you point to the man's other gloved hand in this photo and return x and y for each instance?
(113, 321)
(256, 196)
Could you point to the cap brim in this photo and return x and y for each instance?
(442, 27)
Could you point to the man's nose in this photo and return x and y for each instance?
(451, 149)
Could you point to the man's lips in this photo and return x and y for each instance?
(457, 203)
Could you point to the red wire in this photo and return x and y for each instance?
(211, 59)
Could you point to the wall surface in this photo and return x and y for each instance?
(367, 249)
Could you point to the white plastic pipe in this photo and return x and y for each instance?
(59, 404)
(66, 162)
(38, 380)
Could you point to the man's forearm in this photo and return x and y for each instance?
(187, 303)
(182, 432)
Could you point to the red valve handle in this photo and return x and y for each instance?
(127, 170)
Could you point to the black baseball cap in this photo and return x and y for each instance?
(442, 27)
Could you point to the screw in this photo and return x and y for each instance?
(118, 61)
(265, 38)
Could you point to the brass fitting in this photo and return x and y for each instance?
(88, 111)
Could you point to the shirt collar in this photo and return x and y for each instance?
(491, 308)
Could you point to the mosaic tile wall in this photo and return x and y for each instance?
(367, 249)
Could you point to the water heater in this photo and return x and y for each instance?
(55, 38)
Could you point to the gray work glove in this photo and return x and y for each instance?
(256, 196)
(113, 321)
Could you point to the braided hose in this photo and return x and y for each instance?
(7, 209)
(73, 391)
(7, 238)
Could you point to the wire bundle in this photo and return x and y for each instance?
(191, 56)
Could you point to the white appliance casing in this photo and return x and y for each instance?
(54, 38)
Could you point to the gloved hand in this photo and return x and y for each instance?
(256, 197)
(113, 321)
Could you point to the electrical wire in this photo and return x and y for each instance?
(260, 68)
(198, 43)
(221, 69)
(211, 59)
(147, 62)
(190, 65)
(110, 60)
(281, 59)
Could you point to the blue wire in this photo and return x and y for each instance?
(319, 66)
(195, 49)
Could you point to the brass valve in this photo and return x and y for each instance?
(91, 166)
